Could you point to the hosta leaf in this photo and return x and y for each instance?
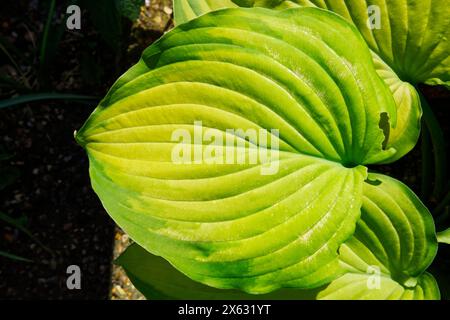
(444, 236)
(270, 232)
(412, 38)
(353, 286)
(231, 225)
(404, 136)
(187, 10)
(395, 239)
(156, 279)
(386, 258)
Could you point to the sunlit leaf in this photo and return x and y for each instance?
(444, 236)
(386, 258)
(394, 243)
(405, 134)
(187, 10)
(230, 225)
(409, 40)
(412, 36)
(156, 279)
(359, 287)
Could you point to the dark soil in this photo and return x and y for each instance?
(53, 197)
(63, 212)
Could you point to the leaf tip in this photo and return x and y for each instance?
(79, 138)
(444, 236)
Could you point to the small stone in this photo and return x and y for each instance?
(119, 291)
(167, 10)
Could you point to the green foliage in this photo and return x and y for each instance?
(354, 287)
(156, 279)
(241, 237)
(395, 235)
(186, 11)
(444, 236)
(405, 48)
(383, 259)
(412, 38)
(305, 72)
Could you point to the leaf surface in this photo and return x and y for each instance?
(386, 258)
(156, 279)
(230, 225)
(410, 36)
(393, 245)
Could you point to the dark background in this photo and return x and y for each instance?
(50, 193)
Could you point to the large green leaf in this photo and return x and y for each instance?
(413, 38)
(231, 225)
(411, 46)
(354, 286)
(187, 10)
(156, 279)
(386, 258)
(404, 136)
(444, 236)
(394, 243)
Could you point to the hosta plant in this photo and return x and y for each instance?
(383, 259)
(409, 42)
(410, 36)
(320, 222)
